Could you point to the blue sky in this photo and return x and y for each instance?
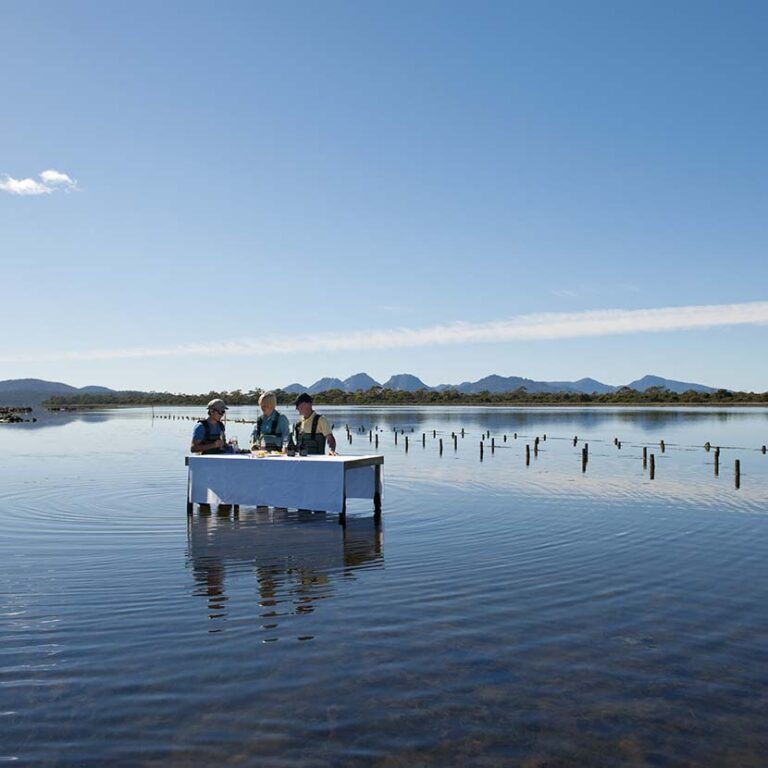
(251, 194)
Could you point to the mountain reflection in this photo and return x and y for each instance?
(295, 558)
(44, 419)
(502, 418)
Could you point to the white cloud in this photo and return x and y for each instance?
(23, 186)
(539, 327)
(51, 181)
(56, 178)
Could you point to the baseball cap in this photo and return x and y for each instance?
(217, 404)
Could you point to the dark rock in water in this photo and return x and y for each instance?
(13, 415)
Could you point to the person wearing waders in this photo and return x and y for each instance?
(209, 435)
(272, 429)
(312, 431)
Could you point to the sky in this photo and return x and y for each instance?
(216, 196)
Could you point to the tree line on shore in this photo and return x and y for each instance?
(380, 396)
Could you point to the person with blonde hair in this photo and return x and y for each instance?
(272, 427)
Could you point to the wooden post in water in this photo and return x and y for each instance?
(544, 437)
(395, 437)
(536, 447)
(434, 434)
(455, 442)
(481, 450)
(717, 461)
(618, 445)
(423, 439)
(406, 443)
(763, 449)
(441, 446)
(462, 431)
(527, 454)
(376, 439)
(493, 445)
(370, 435)
(615, 440)
(586, 450)
(737, 473)
(515, 435)
(662, 446)
(645, 456)
(584, 459)
(505, 438)
(575, 440)
(653, 467)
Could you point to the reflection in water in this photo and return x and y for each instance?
(295, 556)
(529, 614)
(46, 419)
(502, 418)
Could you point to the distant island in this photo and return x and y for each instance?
(403, 389)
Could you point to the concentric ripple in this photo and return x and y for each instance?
(505, 612)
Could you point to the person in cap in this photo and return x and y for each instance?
(209, 435)
(313, 431)
(272, 426)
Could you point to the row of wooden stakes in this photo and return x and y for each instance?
(649, 460)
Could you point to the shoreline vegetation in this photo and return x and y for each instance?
(380, 396)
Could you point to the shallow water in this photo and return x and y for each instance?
(502, 614)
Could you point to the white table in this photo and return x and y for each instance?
(296, 482)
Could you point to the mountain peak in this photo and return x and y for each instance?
(324, 384)
(360, 382)
(405, 382)
(649, 380)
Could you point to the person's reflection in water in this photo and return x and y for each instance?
(209, 578)
(296, 559)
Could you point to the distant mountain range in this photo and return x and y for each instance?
(409, 383)
(32, 391)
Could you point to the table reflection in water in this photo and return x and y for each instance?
(296, 558)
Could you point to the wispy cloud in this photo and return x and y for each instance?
(538, 327)
(50, 181)
(590, 289)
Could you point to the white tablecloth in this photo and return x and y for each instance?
(307, 482)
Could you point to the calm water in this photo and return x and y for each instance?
(503, 614)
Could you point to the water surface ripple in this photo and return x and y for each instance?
(504, 613)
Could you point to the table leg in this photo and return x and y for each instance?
(190, 504)
(377, 492)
